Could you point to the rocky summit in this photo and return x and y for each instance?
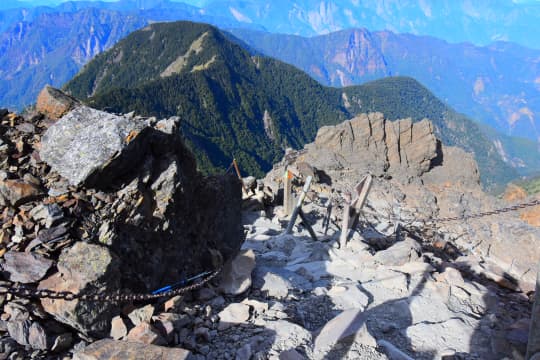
(99, 203)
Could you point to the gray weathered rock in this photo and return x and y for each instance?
(236, 277)
(400, 253)
(141, 315)
(350, 324)
(86, 140)
(235, 313)
(25, 267)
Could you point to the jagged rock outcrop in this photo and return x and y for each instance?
(420, 179)
(115, 202)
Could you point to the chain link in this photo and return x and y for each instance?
(486, 213)
(27, 292)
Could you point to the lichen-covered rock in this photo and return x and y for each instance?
(85, 140)
(84, 268)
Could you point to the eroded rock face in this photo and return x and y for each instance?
(370, 143)
(418, 178)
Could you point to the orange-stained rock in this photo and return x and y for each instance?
(54, 103)
(531, 216)
(514, 193)
(17, 192)
(108, 349)
(147, 334)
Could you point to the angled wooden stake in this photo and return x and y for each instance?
(307, 225)
(326, 222)
(287, 192)
(237, 169)
(352, 209)
(298, 206)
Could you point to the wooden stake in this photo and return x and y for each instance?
(237, 169)
(298, 206)
(354, 206)
(326, 222)
(287, 192)
(307, 225)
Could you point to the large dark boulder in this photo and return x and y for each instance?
(149, 219)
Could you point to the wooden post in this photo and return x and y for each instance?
(326, 222)
(298, 206)
(533, 345)
(362, 189)
(345, 225)
(237, 169)
(287, 192)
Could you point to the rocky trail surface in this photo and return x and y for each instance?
(95, 203)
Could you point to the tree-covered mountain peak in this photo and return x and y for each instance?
(235, 105)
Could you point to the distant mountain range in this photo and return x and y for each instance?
(480, 21)
(498, 84)
(234, 104)
(49, 45)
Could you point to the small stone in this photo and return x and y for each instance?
(202, 334)
(26, 267)
(19, 331)
(18, 192)
(141, 315)
(173, 303)
(244, 353)
(233, 314)
(62, 342)
(147, 334)
(37, 338)
(118, 328)
(400, 253)
(51, 213)
(349, 324)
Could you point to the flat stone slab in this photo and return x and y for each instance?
(108, 349)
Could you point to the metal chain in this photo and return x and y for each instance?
(27, 292)
(487, 213)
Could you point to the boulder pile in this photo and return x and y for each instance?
(97, 203)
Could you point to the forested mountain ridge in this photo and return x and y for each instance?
(234, 104)
(497, 85)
